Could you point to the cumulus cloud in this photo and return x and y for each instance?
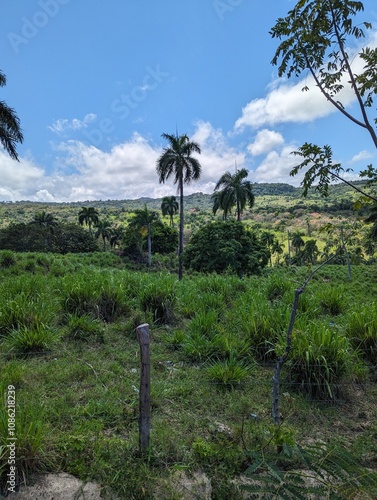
(18, 178)
(276, 167)
(63, 124)
(127, 171)
(217, 156)
(362, 156)
(265, 141)
(286, 102)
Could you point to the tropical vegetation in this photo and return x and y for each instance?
(233, 191)
(263, 377)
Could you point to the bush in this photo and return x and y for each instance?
(165, 239)
(225, 246)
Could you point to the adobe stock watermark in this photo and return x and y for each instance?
(224, 7)
(123, 105)
(31, 26)
(10, 405)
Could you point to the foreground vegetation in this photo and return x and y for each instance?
(68, 346)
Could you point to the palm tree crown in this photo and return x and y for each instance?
(88, 216)
(103, 230)
(10, 131)
(145, 219)
(233, 191)
(169, 206)
(176, 161)
(44, 219)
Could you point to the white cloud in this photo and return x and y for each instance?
(265, 141)
(127, 171)
(216, 158)
(363, 155)
(276, 167)
(63, 124)
(18, 178)
(287, 103)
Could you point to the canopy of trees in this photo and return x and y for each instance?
(65, 238)
(226, 246)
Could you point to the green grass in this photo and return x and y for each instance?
(213, 344)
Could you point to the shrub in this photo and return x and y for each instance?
(225, 246)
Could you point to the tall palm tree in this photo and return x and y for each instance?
(145, 220)
(10, 131)
(176, 161)
(103, 230)
(88, 216)
(234, 191)
(116, 236)
(169, 206)
(47, 221)
(297, 242)
(310, 251)
(268, 240)
(278, 249)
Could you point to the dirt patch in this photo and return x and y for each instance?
(58, 487)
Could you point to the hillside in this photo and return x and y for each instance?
(269, 197)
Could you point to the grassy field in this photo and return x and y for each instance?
(69, 348)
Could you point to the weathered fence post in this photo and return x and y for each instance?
(144, 392)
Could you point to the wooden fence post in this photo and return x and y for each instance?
(144, 392)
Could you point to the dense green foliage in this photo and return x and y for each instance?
(223, 246)
(63, 238)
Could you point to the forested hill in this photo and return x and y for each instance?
(267, 197)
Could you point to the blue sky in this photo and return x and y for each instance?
(96, 83)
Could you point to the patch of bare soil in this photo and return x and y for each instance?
(58, 487)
